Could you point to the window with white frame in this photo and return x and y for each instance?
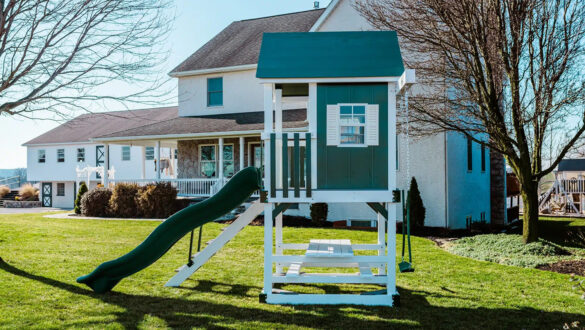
(149, 153)
(80, 155)
(207, 164)
(228, 160)
(60, 155)
(60, 189)
(126, 153)
(352, 125)
(41, 156)
(215, 92)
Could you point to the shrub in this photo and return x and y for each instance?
(95, 202)
(156, 200)
(417, 208)
(4, 190)
(319, 213)
(123, 200)
(80, 193)
(28, 193)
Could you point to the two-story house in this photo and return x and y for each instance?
(217, 126)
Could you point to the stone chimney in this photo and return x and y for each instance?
(498, 188)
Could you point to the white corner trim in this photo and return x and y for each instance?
(325, 15)
(213, 70)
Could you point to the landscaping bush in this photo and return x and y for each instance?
(123, 200)
(28, 193)
(156, 200)
(319, 213)
(417, 208)
(4, 190)
(95, 203)
(80, 193)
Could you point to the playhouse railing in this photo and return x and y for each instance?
(290, 165)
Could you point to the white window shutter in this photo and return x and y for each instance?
(333, 125)
(372, 125)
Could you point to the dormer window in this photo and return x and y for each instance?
(214, 92)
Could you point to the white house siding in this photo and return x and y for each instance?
(469, 191)
(51, 170)
(345, 18)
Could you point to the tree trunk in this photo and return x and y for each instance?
(530, 216)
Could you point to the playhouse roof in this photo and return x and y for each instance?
(330, 55)
(572, 165)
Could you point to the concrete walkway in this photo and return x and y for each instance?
(73, 216)
(4, 210)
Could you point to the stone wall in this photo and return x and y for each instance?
(188, 155)
(498, 188)
(21, 204)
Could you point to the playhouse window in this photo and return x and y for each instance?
(352, 124)
(215, 92)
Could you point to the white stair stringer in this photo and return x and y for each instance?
(210, 250)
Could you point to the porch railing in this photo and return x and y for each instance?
(185, 187)
(573, 186)
(12, 182)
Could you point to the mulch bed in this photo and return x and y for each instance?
(576, 267)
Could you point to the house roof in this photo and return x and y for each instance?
(330, 55)
(571, 165)
(239, 43)
(198, 125)
(85, 127)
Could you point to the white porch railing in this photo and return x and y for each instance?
(185, 187)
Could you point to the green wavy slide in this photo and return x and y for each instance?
(236, 191)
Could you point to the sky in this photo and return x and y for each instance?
(196, 22)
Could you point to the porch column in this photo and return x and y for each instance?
(278, 110)
(242, 146)
(220, 158)
(105, 178)
(157, 151)
(143, 163)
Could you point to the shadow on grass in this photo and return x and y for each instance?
(416, 311)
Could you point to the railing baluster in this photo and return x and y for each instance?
(284, 165)
(272, 164)
(296, 166)
(308, 164)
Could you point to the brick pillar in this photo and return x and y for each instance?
(497, 188)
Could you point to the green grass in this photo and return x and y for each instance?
(43, 257)
(509, 249)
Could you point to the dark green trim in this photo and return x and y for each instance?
(284, 165)
(308, 164)
(272, 164)
(379, 208)
(280, 208)
(297, 166)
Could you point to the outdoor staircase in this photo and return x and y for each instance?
(8, 197)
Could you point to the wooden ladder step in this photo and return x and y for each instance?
(332, 248)
(365, 270)
(294, 269)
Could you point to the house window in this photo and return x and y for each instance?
(207, 162)
(60, 155)
(228, 160)
(126, 153)
(149, 153)
(352, 124)
(482, 158)
(176, 153)
(214, 92)
(60, 189)
(469, 154)
(41, 156)
(80, 155)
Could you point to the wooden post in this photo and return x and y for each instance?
(296, 165)
(268, 248)
(220, 171)
(284, 165)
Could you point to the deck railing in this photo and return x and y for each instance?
(12, 182)
(575, 186)
(185, 187)
(290, 173)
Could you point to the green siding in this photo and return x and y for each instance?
(351, 168)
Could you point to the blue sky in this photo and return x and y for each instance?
(196, 22)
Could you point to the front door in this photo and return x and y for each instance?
(100, 157)
(47, 196)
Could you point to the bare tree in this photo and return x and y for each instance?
(510, 70)
(55, 55)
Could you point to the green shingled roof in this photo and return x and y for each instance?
(330, 55)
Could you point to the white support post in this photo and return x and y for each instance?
(268, 249)
(105, 179)
(278, 110)
(268, 109)
(249, 160)
(279, 142)
(242, 146)
(157, 151)
(392, 136)
(143, 162)
(278, 238)
(312, 118)
(391, 275)
(381, 240)
(220, 158)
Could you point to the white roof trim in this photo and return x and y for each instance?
(332, 5)
(328, 80)
(73, 144)
(213, 70)
(178, 136)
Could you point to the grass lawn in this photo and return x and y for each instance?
(43, 257)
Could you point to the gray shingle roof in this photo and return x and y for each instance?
(239, 43)
(87, 126)
(237, 122)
